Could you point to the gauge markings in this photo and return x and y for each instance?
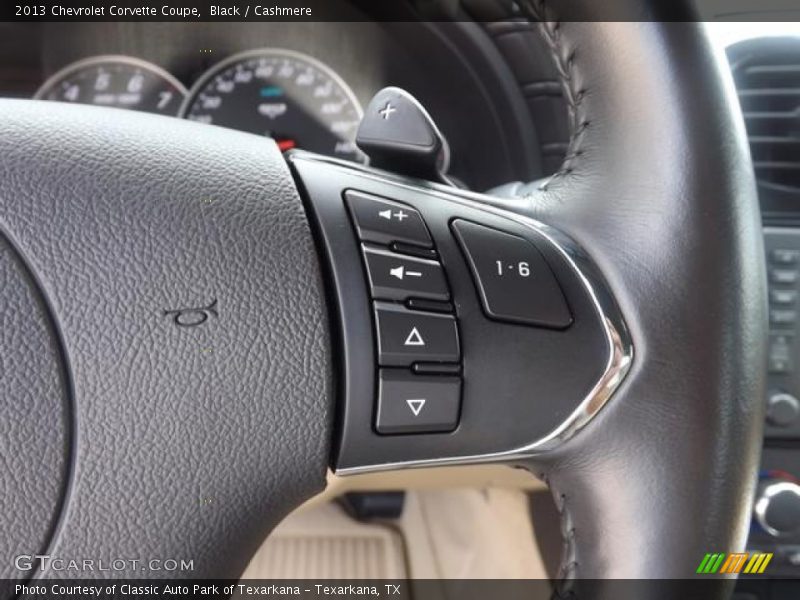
(292, 97)
(116, 81)
(277, 93)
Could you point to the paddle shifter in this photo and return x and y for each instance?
(399, 135)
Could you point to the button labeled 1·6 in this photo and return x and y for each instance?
(514, 281)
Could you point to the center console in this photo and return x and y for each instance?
(783, 271)
(775, 526)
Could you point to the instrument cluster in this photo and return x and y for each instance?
(292, 97)
(301, 83)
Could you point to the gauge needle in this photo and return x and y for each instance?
(286, 144)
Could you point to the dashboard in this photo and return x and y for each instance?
(302, 83)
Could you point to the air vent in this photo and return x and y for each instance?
(767, 75)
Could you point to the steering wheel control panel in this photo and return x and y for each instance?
(416, 332)
(783, 272)
(452, 315)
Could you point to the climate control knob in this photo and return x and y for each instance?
(782, 409)
(777, 508)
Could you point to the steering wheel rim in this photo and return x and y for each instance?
(660, 236)
(667, 207)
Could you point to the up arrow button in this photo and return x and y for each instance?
(414, 338)
(406, 337)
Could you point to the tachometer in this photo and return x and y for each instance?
(118, 81)
(291, 97)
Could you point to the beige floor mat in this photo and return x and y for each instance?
(322, 542)
(470, 534)
(450, 534)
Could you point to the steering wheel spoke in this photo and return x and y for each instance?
(501, 343)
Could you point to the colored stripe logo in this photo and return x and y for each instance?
(754, 563)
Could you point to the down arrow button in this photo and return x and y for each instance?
(415, 404)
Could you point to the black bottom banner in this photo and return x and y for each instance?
(407, 589)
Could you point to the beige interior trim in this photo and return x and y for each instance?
(470, 534)
(468, 522)
(471, 476)
(322, 542)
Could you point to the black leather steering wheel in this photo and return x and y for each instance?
(173, 350)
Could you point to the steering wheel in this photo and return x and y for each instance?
(188, 334)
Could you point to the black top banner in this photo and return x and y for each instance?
(395, 10)
(179, 10)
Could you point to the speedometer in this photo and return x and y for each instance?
(118, 81)
(291, 97)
